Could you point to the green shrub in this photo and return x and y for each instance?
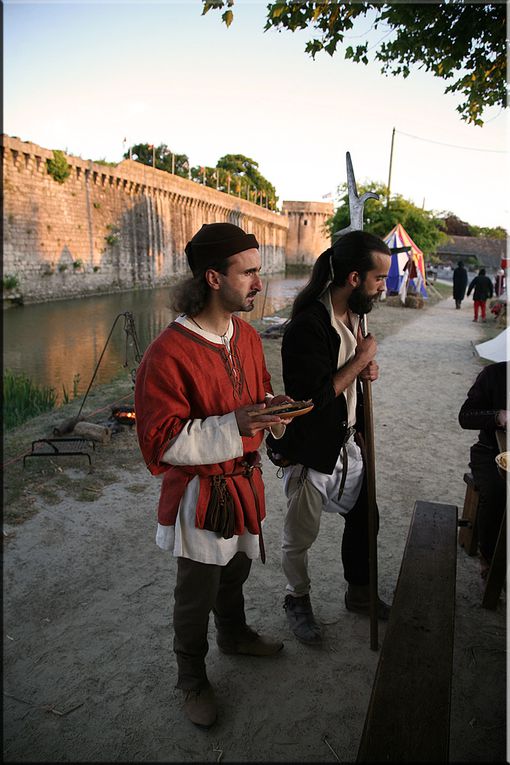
(77, 264)
(66, 397)
(62, 267)
(10, 282)
(58, 167)
(23, 399)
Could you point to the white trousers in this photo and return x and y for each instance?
(309, 493)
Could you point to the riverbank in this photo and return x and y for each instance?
(88, 667)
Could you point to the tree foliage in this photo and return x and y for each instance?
(454, 226)
(164, 158)
(233, 174)
(462, 42)
(493, 233)
(243, 168)
(423, 226)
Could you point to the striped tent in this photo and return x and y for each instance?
(407, 270)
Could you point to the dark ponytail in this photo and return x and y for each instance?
(352, 252)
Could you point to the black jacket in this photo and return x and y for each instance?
(310, 348)
(485, 398)
(482, 288)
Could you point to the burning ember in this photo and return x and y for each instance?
(124, 414)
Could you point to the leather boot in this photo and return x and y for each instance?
(301, 619)
(200, 706)
(357, 599)
(247, 642)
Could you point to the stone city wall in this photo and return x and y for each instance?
(109, 228)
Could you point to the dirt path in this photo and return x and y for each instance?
(88, 665)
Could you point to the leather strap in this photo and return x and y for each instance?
(345, 460)
(249, 476)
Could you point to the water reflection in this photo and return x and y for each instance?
(55, 342)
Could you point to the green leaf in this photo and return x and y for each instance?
(228, 18)
(277, 10)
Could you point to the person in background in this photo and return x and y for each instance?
(460, 280)
(200, 395)
(499, 283)
(482, 289)
(324, 358)
(485, 409)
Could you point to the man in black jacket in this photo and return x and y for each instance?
(324, 357)
(482, 290)
(485, 409)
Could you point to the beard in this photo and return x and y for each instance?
(359, 302)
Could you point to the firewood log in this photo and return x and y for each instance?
(92, 431)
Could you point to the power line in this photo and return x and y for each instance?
(452, 145)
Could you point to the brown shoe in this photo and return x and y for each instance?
(200, 706)
(247, 642)
(357, 599)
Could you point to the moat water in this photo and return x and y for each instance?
(58, 344)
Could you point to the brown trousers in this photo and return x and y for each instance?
(200, 589)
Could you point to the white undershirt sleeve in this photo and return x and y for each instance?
(206, 442)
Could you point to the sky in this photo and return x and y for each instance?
(85, 77)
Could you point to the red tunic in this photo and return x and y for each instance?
(183, 377)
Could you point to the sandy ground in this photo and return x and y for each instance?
(89, 672)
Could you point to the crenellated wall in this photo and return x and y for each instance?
(109, 228)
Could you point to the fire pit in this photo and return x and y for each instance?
(125, 415)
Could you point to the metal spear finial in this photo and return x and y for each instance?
(356, 203)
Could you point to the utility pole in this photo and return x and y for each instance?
(391, 162)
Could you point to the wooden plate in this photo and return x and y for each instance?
(292, 409)
(503, 463)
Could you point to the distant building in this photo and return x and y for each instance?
(307, 236)
(474, 251)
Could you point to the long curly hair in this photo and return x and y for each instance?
(191, 295)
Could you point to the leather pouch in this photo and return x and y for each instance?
(220, 515)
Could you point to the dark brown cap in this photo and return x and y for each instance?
(215, 242)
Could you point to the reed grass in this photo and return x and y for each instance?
(22, 399)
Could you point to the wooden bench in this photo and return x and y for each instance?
(408, 717)
(468, 535)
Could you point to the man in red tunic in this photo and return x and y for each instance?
(200, 395)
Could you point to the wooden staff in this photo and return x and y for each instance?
(372, 503)
(356, 204)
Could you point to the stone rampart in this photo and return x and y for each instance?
(109, 228)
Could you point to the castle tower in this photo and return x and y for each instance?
(307, 236)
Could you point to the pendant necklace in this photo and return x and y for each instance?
(231, 365)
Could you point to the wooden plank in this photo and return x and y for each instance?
(408, 718)
(497, 571)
